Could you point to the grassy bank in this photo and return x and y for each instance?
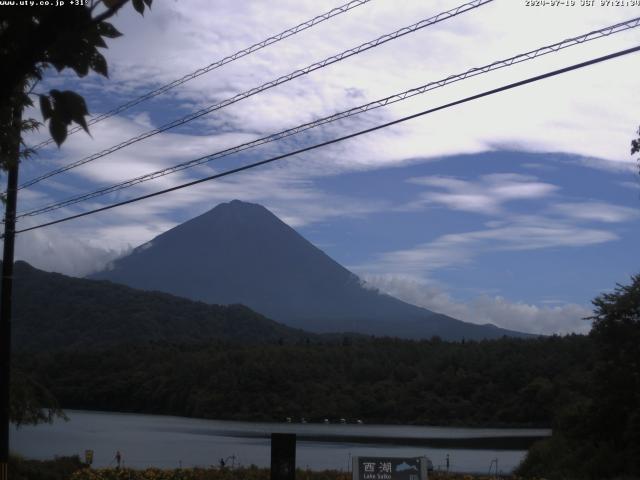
(251, 473)
(71, 468)
(60, 468)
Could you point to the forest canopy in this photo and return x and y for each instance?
(498, 382)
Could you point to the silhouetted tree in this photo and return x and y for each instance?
(616, 400)
(598, 435)
(36, 38)
(33, 39)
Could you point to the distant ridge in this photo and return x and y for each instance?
(55, 312)
(242, 253)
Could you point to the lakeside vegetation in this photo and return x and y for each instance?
(598, 435)
(586, 387)
(71, 468)
(250, 473)
(59, 468)
(506, 382)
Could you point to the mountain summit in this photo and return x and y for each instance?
(240, 252)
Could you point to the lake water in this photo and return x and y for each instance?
(164, 441)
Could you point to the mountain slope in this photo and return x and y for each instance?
(53, 311)
(241, 253)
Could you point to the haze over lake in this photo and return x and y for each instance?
(164, 441)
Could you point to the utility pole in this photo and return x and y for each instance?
(12, 165)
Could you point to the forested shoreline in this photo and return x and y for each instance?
(586, 388)
(506, 382)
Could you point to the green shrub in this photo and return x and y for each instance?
(60, 468)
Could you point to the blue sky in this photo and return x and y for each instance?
(592, 221)
(516, 209)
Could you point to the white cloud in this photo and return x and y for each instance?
(87, 244)
(487, 195)
(597, 211)
(560, 319)
(552, 116)
(174, 38)
(55, 250)
(632, 185)
(511, 234)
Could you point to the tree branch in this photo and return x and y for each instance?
(110, 12)
(33, 86)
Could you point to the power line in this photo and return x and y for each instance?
(345, 137)
(283, 79)
(219, 63)
(603, 32)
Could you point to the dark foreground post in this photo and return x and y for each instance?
(283, 456)
(12, 163)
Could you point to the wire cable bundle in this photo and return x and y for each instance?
(619, 27)
(268, 85)
(219, 63)
(523, 57)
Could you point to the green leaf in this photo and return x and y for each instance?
(94, 38)
(80, 65)
(45, 107)
(76, 102)
(148, 2)
(30, 125)
(83, 123)
(27, 102)
(76, 106)
(68, 107)
(99, 65)
(58, 130)
(58, 65)
(107, 30)
(138, 5)
(59, 111)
